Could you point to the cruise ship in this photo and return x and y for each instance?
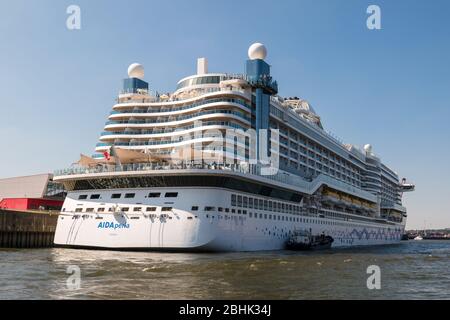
(224, 163)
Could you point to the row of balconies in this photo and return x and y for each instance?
(227, 124)
(184, 107)
(179, 118)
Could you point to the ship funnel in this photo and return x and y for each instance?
(202, 66)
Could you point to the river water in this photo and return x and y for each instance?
(408, 270)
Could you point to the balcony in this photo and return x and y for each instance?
(179, 118)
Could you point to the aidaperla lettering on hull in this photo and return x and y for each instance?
(112, 225)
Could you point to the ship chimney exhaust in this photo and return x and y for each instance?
(202, 66)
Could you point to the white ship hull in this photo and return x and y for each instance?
(205, 229)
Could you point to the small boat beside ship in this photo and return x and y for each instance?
(304, 240)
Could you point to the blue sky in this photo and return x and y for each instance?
(388, 87)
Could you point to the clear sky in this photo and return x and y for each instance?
(388, 87)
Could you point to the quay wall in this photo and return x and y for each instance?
(27, 229)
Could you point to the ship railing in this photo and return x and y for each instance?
(252, 169)
(157, 131)
(180, 118)
(185, 107)
(308, 185)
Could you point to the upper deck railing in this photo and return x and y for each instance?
(280, 176)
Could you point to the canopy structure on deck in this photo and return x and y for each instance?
(119, 156)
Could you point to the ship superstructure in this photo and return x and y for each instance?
(224, 163)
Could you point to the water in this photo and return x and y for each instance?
(409, 270)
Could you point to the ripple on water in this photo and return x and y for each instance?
(410, 270)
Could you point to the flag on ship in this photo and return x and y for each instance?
(110, 153)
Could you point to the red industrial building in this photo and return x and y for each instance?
(37, 192)
(30, 204)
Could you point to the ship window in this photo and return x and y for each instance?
(233, 200)
(90, 210)
(245, 202)
(78, 209)
(265, 216)
(265, 204)
(154, 194)
(194, 208)
(233, 211)
(220, 209)
(239, 211)
(151, 208)
(166, 209)
(129, 195)
(244, 211)
(260, 215)
(137, 209)
(125, 209)
(227, 210)
(82, 196)
(239, 201)
(261, 206)
(101, 210)
(210, 208)
(95, 196)
(250, 203)
(116, 195)
(171, 194)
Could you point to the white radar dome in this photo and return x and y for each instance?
(257, 51)
(136, 70)
(368, 148)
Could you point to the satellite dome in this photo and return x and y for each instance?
(368, 148)
(136, 70)
(257, 51)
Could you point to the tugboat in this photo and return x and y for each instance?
(304, 240)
